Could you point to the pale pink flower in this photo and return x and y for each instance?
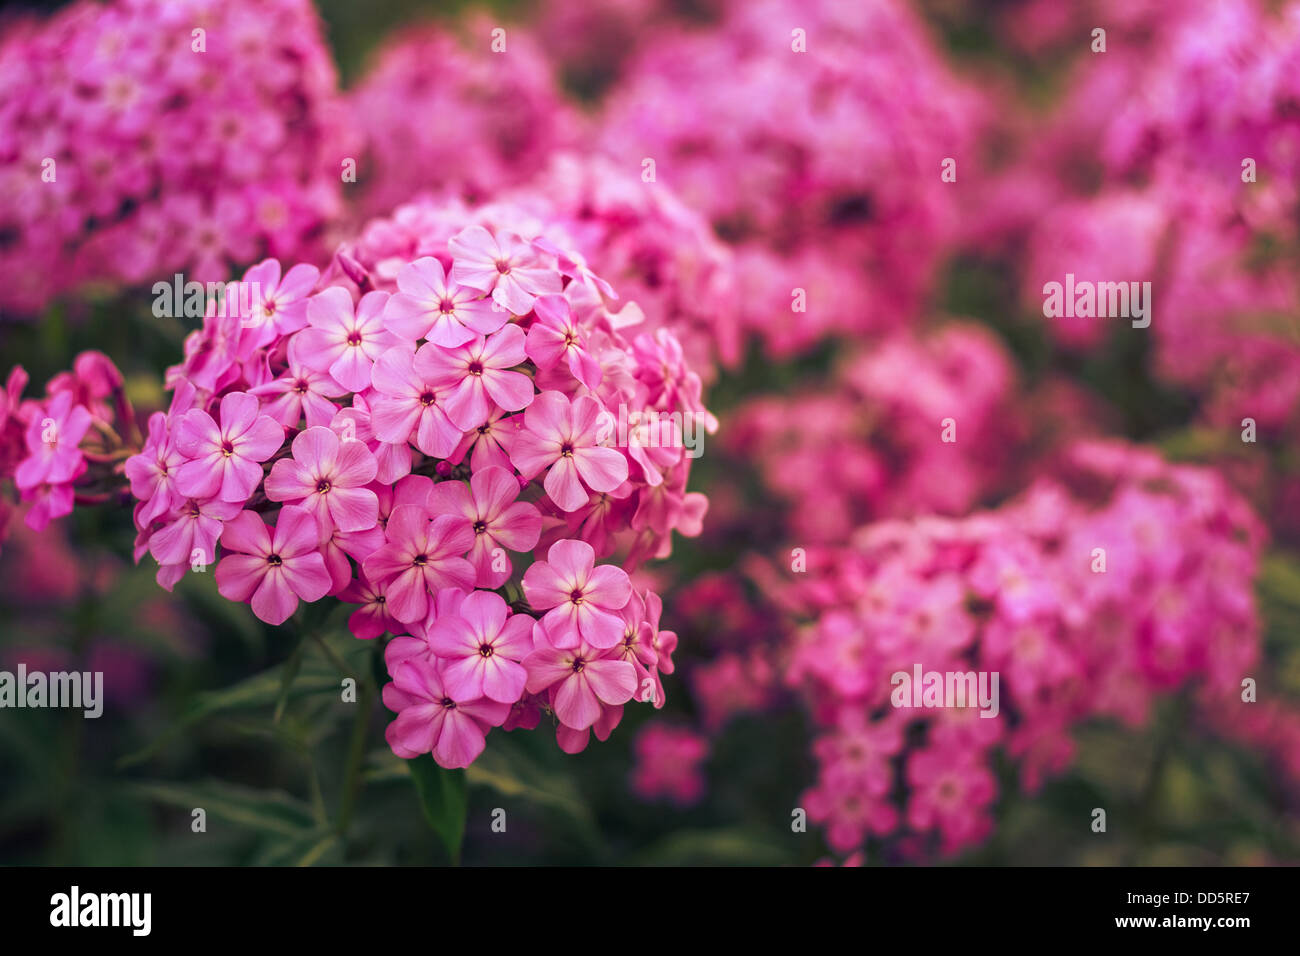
(301, 392)
(430, 307)
(582, 678)
(505, 265)
(407, 405)
(477, 376)
(343, 340)
(557, 335)
(420, 558)
(562, 435)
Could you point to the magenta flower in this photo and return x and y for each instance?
(583, 678)
(490, 508)
(372, 618)
(344, 340)
(477, 378)
(269, 568)
(191, 532)
(481, 648)
(407, 405)
(152, 473)
(225, 460)
(562, 435)
(429, 307)
(301, 392)
(327, 477)
(420, 557)
(584, 599)
(557, 335)
(53, 437)
(432, 719)
(504, 265)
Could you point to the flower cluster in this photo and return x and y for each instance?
(142, 138)
(772, 124)
(874, 435)
(418, 436)
(1088, 596)
(469, 112)
(668, 764)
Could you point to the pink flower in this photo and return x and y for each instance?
(504, 265)
(584, 599)
(278, 305)
(152, 473)
(225, 461)
(372, 618)
(428, 307)
(272, 568)
(301, 392)
(53, 457)
(562, 435)
(557, 335)
(327, 478)
(583, 678)
(481, 648)
(407, 406)
(432, 719)
(477, 376)
(344, 340)
(420, 557)
(490, 508)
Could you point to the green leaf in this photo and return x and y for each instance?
(261, 690)
(264, 811)
(444, 799)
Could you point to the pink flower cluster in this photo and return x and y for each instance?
(418, 434)
(874, 435)
(1088, 595)
(668, 764)
(774, 123)
(142, 138)
(448, 111)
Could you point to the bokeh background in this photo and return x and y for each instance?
(821, 172)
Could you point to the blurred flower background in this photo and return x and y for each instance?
(834, 224)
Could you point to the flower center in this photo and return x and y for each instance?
(566, 450)
(446, 307)
(480, 527)
(300, 387)
(227, 448)
(427, 397)
(274, 560)
(476, 368)
(485, 650)
(323, 486)
(578, 665)
(576, 596)
(448, 703)
(420, 560)
(503, 266)
(354, 339)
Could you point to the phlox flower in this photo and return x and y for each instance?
(477, 376)
(584, 600)
(191, 532)
(152, 473)
(481, 648)
(53, 437)
(506, 266)
(429, 307)
(225, 460)
(272, 568)
(342, 339)
(561, 435)
(327, 477)
(432, 719)
(372, 618)
(278, 304)
(408, 406)
(300, 393)
(490, 508)
(420, 557)
(557, 335)
(582, 678)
